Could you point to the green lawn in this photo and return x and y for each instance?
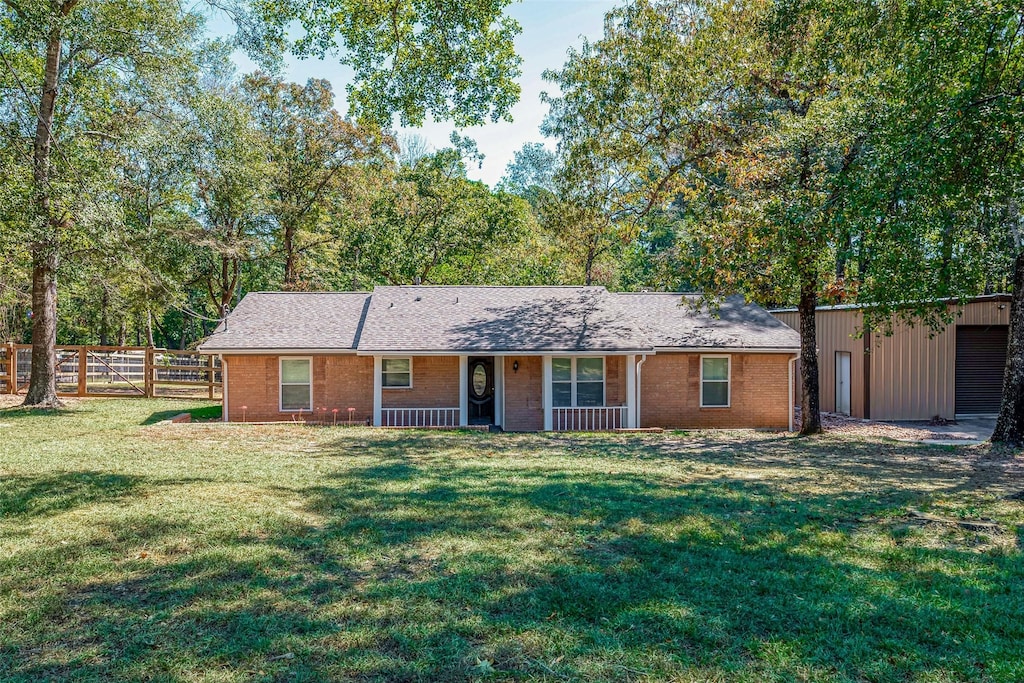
(131, 550)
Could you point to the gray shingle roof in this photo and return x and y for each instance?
(671, 321)
(497, 319)
(292, 320)
(493, 320)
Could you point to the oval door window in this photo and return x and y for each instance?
(479, 380)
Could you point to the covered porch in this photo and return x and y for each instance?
(514, 392)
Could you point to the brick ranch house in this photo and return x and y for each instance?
(518, 358)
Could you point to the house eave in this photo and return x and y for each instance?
(727, 349)
(276, 351)
(502, 352)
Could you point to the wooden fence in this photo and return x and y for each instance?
(117, 371)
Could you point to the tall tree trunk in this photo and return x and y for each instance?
(1010, 425)
(104, 318)
(290, 276)
(42, 387)
(149, 328)
(810, 400)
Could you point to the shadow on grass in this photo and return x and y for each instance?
(421, 565)
(204, 414)
(23, 496)
(21, 412)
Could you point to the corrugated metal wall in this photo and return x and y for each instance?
(836, 330)
(912, 373)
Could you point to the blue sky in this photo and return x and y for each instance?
(550, 28)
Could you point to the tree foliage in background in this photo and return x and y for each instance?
(800, 151)
(415, 58)
(315, 160)
(79, 73)
(79, 78)
(431, 224)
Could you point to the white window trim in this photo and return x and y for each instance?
(384, 386)
(573, 382)
(281, 384)
(727, 380)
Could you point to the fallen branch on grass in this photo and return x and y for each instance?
(970, 524)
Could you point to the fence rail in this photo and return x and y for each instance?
(589, 419)
(419, 417)
(118, 371)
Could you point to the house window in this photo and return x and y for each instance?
(296, 384)
(396, 373)
(714, 381)
(577, 382)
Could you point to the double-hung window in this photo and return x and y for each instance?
(296, 384)
(577, 382)
(396, 373)
(714, 381)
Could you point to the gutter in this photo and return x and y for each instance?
(724, 349)
(639, 377)
(223, 387)
(792, 366)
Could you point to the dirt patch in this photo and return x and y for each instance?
(15, 400)
(841, 424)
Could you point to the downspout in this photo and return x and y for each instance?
(792, 365)
(223, 386)
(639, 370)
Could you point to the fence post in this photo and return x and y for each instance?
(83, 370)
(12, 368)
(210, 375)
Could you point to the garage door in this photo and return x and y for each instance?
(980, 361)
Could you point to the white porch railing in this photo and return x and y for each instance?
(419, 417)
(588, 419)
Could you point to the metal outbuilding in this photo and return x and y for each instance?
(915, 373)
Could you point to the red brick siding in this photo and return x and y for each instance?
(339, 381)
(615, 380)
(524, 410)
(670, 389)
(435, 384)
(670, 393)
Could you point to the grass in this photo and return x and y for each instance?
(131, 550)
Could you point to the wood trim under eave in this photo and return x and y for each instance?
(723, 349)
(278, 352)
(596, 353)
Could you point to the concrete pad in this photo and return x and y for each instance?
(966, 430)
(953, 442)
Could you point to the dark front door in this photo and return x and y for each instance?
(481, 391)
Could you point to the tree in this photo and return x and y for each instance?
(230, 164)
(938, 209)
(432, 224)
(413, 58)
(531, 172)
(313, 154)
(751, 106)
(90, 63)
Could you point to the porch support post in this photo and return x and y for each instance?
(631, 392)
(463, 391)
(377, 393)
(499, 391)
(545, 391)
